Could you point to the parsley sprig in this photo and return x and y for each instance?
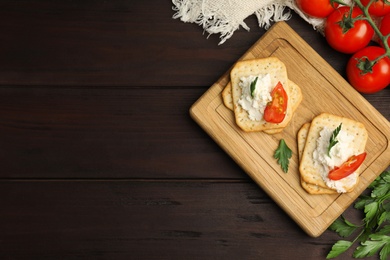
(283, 153)
(374, 235)
(333, 139)
(253, 87)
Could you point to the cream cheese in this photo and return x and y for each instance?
(339, 153)
(255, 105)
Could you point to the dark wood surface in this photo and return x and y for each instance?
(99, 156)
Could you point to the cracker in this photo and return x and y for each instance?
(227, 96)
(315, 189)
(278, 72)
(301, 138)
(308, 170)
(309, 188)
(296, 96)
(295, 99)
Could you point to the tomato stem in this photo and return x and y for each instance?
(365, 65)
(368, 18)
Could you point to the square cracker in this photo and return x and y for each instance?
(294, 100)
(308, 170)
(227, 96)
(301, 141)
(278, 72)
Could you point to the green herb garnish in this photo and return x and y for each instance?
(253, 86)
(374, 231)
(283, 154)
(333, 139)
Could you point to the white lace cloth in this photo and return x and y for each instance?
(224, 17)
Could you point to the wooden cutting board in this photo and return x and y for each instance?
(324, 90)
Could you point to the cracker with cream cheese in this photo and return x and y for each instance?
(311, 171)
(309, 188)
(278, 73)
(294, 100)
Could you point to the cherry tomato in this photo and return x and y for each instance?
(355, 38)
(378, 7)
(275, 111)
(369, 82)
(385, 27)
(347, 168)
(317, 8)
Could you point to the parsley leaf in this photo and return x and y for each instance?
(363, 201)
(370, 247)
(283, 154)
(371, 210)
(333, 139)
(338, 248)
(343, 227)
(253, 86)
(385, 252)
(385, 216)
(374, 234)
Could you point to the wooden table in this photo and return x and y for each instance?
(99, 156)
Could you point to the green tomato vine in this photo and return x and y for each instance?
(367, 17)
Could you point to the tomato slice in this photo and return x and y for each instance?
(347, 168)
(275, 111)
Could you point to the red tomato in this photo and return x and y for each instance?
(369, 82)
(318, 8)
(378, 7)
(385, 27)
(275, 111)
(347, 168)
(355, 38)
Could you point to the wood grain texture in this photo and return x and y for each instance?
(125, 219)
(62, 133)
(99, 158)
(323, 90)
(108, 43)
